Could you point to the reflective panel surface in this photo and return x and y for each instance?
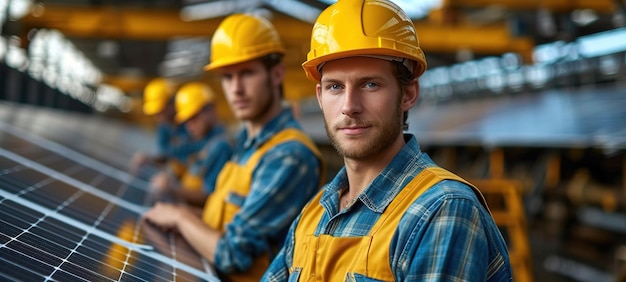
(66, 217)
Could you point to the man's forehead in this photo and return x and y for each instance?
(246, 65)
(354, 66)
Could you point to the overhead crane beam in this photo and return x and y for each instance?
(144, 24)
(151, 24)
(139, 24)
(601, 6)
(117, 23)
(485, 40)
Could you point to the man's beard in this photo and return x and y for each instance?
(267, 103)
(363, 149)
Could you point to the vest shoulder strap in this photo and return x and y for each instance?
(414, 189)
(424, 180)
(286, 135)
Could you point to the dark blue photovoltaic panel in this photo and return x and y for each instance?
(66, 217)
(131, 190)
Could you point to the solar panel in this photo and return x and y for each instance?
(67, 217)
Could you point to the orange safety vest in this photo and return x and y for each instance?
(328, 258)
(237, 179)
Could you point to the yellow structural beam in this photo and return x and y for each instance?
(152, 24)
(141, 24)
(116, 23)
(486, 40)
(602, 6)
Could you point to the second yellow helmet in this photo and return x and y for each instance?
(242, 37)
(156, 95)
(191, 98)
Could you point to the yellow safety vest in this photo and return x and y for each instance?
(328, 258)
(192, 182)
(237, 179)
(175, 168)
(195, 181)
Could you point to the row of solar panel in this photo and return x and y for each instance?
(64, 218)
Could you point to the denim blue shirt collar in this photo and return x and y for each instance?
(383, 189)
(284, 119)
(215, 131)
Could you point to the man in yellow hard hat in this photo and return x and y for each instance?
(172, 140)
(275, 168)
(391, 214)
(195, 110)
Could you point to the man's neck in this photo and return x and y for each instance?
(363, 171)
(254, 127)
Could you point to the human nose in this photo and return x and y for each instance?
(236, 85)
(351, 102)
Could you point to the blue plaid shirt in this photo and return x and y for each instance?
(446, 235)
(216, 151)
(173, 141)
(285, 179)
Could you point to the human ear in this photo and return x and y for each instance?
(318, 93)
(278, 73)
(410, 94)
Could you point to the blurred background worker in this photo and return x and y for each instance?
(172, 140)
(195, 111)
(275, 169)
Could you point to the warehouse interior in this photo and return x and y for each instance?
(526, 99)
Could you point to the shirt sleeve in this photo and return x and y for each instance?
(162, 140)
(279, 268)
(285, 179)
(176, 143)
(213, 163)
(449, 242)
(185, 148)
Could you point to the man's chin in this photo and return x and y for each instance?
(244, 115)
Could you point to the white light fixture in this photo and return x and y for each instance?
(216, 9)
(413, 9)
(584, 17)
(19, 8)
(296, 9)
(603, 43)
(3, 8)
(16, 57)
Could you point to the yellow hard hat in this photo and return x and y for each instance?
(156, 95)
(363, 28)
(191, 98)
(242, 37)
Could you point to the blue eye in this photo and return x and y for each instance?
(371, 85)
(334, 87)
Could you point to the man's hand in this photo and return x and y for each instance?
(139, 159)
(164, 215)
(160, 183)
